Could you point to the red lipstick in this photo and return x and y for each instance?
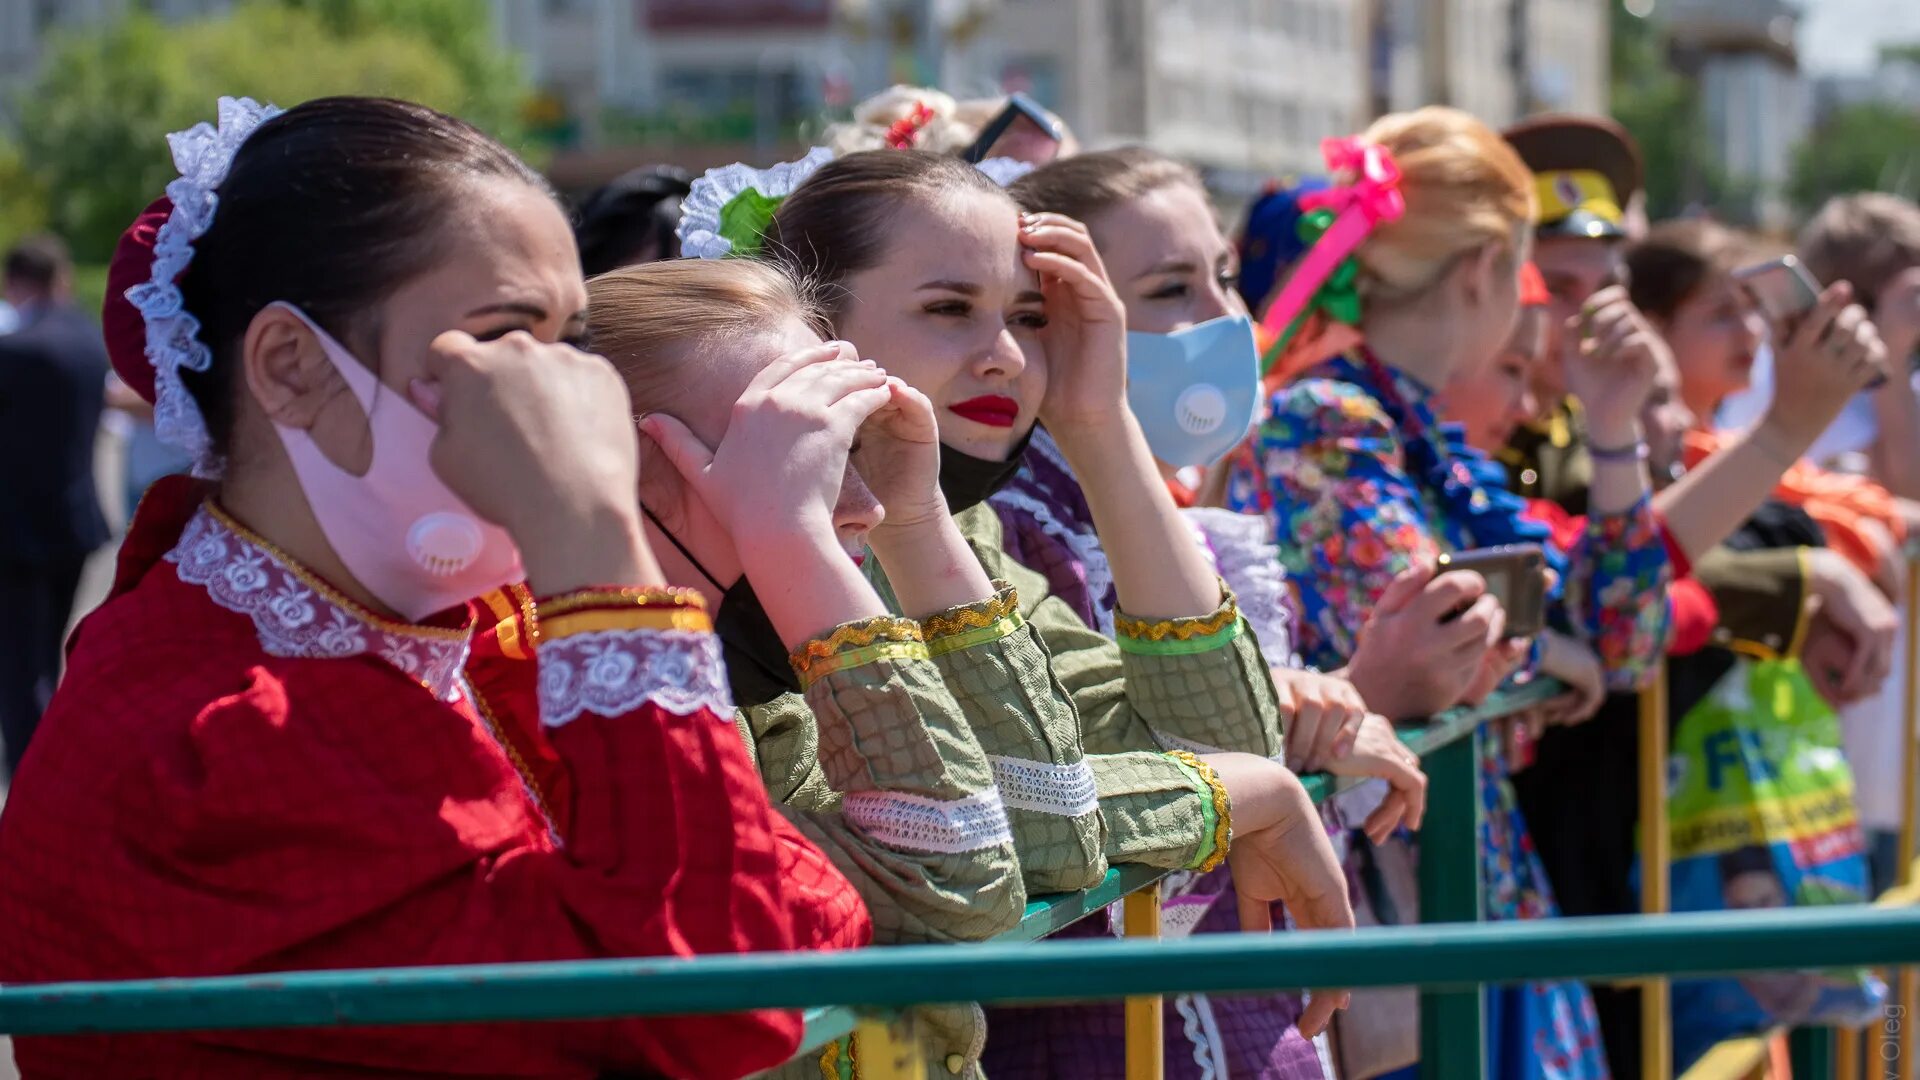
(989, 409)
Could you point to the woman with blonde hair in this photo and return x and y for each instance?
(1362, 481)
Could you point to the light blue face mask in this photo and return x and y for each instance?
(1194, 390)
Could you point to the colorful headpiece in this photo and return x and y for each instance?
(906, 130)
(728, 211)
(1334, 223)
(153, 254)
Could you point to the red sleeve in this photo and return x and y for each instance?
(1695, 615)
(321, 814)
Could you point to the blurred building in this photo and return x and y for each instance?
(1246, 89)
(1755, 100)
(1895, 80)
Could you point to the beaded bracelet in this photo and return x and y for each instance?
(1635, 453)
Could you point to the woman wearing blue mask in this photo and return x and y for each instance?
(1005, 321)
(358, 316)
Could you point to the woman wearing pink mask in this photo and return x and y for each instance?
(267, 755)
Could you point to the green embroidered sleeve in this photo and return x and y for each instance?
(1166, 810)
(999, 673)
(878, 766)
(1201, 684)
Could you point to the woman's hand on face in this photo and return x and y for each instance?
(1823, 359)
(1611, 357)
(899, 458)
(1378, 752)
(1411, 660)
(1086, 332)
(538, 438)
(1322, 713)
(1280, 852)
(779, 469)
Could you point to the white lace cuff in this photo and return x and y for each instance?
(1044, 787)
(918, 823)
(613, 672)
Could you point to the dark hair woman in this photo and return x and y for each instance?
(272, 750)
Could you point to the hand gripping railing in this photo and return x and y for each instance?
(870, 989)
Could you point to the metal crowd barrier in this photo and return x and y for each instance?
(870, 991)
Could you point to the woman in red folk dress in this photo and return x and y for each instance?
(267, 753)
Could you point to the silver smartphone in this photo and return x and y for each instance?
(1782, 287)
(1784, 290)
(1517, 575)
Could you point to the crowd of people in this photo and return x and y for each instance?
(841, 553)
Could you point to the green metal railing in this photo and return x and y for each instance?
(1453, 957)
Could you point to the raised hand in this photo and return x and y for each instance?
(1820, 361)
(538, 438)
(1086, 332)
(783, 461)
(1611, 356)
(898, 456)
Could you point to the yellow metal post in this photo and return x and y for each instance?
(1656, 1020)
(1907, 980)
(1146, 1057)
(1846, 1054)
(888, 1050)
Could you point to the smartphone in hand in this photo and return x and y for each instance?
(1517, 575)
(1784, 291)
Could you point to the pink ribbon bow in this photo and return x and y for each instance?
(1372, 198)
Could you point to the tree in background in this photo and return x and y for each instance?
(91, 127)
(1866, 147)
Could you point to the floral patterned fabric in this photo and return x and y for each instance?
(1360, 479)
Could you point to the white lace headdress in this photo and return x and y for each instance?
(728, 211)
(203, 154)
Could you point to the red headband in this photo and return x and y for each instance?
(120, 322)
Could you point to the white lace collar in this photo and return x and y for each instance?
(297, 615)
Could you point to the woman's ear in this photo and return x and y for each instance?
(287, 371)
(1478, 270)
(295, 385)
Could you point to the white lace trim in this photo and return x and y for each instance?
(1045, 787)
(613, 672)
(203, 154)
(699, 229)
(1004, 170)
(1243, 553)
(1202, 1030)
(919, 823)
(1085, 546)
(292, 620)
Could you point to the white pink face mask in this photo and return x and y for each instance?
(400, 531)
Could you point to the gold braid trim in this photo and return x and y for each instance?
(855, 635)
(651, 596)
(1222, 809)
(1181, 629)
(974, 616)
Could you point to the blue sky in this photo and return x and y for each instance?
(1844, 35)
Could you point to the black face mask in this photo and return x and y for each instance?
(966, 480)
(756, 658)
